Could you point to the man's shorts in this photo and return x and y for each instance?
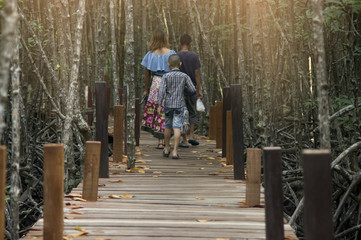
(174, 117)
(191, 106)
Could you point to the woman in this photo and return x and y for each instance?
(156, 64)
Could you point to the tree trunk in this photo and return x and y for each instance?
(322, 87)
(114, 55)
(129, 82)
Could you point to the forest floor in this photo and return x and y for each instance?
(194, 197)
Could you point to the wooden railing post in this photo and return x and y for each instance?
(318, 194)
(212, 123)
(229, 147)
(2, 188)
(91, 170)
(219, 107)
(253, 180)
(137, 121)
(101, 127)
(118, 133)
(237, 131)
(273, 192)
(53, 191)
(226, 107)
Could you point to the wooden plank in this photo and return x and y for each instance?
(101, 126)
(212, 123)
(237, 132)
(118, 133)
(273, 192)
(318, 194)
(53, 191)
(91, 170)
(2, 187)
(219, 124)
(253, 193)
(229, 147)
(226, 107)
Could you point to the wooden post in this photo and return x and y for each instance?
(53, 191)
(237, 132)
(226, 107)
(273, 192)
(108, 99)
(90, 105)
(120, 91)
(318, 194)
(91, 170)
(219, 106)
(212, 123)
(2, 188)
(101, 127)
(137, 121)
(253, 180)
(229, 147)
(118, 133)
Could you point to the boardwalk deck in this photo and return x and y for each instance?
(190, 198)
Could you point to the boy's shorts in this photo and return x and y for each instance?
(174, 117)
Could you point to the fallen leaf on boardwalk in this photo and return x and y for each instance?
(139, 161)
(289, 237)
(223, 239)
(221, 205)
(73, 195)
(222, 171)
(208, 140)
(157, 172)
(146, 155)
(141, 171)
(74, 207)
(192, 164)
(213, 174)
(69, 218)
(139, 158)
(102, 185)
(200, 198)
(75, 235)
(135, 168)
(223, 159)
(114, 196)
(202, 168)
(143, 167)
(76, 212)
(98, 231)
(226, 178)
(210, 163)
(80, 229)
(179, 171)
(202, 220)
(128, 170)
(211, 158)
(79, 199)
(219, 152)
(116, 181)
(138, 153)
(156, 176)
(127, 196)
(243, 201)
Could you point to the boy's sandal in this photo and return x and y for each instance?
(175, 157)
(160, 146)
(181, 144)
(166, 155)
(193, 141)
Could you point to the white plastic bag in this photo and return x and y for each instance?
(200, 106)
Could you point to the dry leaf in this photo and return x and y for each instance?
(79, 199)
(200, 198)
(221, 205)
(219, 152)
(141, 171)
(76, 212)
(116, 181)
(202, 168)
(127, 196)
(211, 158)
(75, 235)
(202, 220)
(69, 218)
(135, 168)
(179, 171)
(157, 172)
(114, 196)
(73, 195)
(75, 207)
(80, 229)
(210, 163)
(195, 152)
(128, 170)
(102, 185)
(222, 171)
(243, 201)
(289, 237)
(156, 176)
(208, 140)
(223, 239)
(213, 174)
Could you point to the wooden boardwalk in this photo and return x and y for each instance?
(190, 198)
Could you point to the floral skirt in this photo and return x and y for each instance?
(152, 121)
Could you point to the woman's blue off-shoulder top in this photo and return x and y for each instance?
(158, 64)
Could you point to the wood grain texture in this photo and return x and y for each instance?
(194, 197)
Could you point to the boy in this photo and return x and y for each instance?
(172, 92)
(190, 66)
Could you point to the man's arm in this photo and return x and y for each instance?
(190, 87)
(198, 82)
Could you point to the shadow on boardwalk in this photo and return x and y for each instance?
(190, 198)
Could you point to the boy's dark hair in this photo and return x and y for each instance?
(174, 60)
(185, 39)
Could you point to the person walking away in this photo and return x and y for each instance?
(190, 66)
(172, 92)
(156, 64)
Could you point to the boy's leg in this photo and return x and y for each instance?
(167, 135)
(176, 136)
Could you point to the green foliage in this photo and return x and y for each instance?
(2, 2)
(346, 120)
(335, 11)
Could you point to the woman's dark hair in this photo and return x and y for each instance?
(158, 41)
(185, 39)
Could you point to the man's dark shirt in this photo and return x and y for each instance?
(190, 63)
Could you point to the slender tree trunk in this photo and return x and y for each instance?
(114, 54)
(129, 82)
(7, 46)
(322, 86)
(15, 141)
